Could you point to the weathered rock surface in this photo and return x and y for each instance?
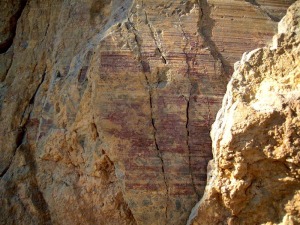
(10, 12)
(106, 106)
(255, 173)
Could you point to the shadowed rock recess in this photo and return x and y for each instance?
(106, 108)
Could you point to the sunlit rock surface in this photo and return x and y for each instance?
(106, 106)
(254, 176)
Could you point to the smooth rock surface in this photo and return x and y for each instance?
(106, 106)
(254, 176)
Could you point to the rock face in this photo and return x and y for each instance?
(106, 106)
(254, 177)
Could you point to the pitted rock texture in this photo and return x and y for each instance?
(106, 106)
(254, 177)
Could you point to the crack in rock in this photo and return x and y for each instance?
(155, 37)
(205, 27)
(21, 132)
(264, 12)
(6, 44)
(188, 107)
(149, 87)
(159, 153)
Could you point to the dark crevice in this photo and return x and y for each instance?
(188, 99)
(205, 25)
(6, 168)
(253, 2)
(12, 27)
(8, 68)
(159, 153)
(130, 26)
(46, 32)
(258, 6)
(37, 197)
(155, 39)
(162, 57)
(146, 69)
(188, 145)
(37, 209)
(21, 131)
(31, 102)
(95, 130)
(27, 112)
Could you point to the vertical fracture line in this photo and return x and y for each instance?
(159, 153)
(188, 109)
(150, 92)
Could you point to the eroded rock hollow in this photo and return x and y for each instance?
(106, 105)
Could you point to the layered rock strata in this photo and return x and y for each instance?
(254, 177)
(106, 106)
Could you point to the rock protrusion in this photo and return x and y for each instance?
(254, 176)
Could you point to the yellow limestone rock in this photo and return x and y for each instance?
(254, 177)
(106, 105)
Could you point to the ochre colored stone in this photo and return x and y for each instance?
(254, 176)
(106, 106)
